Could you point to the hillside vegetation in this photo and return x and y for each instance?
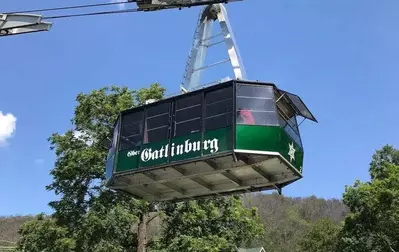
(285, 219)
(9, 227)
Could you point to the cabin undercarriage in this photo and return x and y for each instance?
(216, 176)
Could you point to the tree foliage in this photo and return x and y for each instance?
(90, 216)
(322, 237)
(373, 224)
(373, 221)
(211, 243)
(45, 235)
(205, 219)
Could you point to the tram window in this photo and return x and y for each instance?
(158, 134)
(132, 129)
(219, 95)
(157, 123)
(255, 91)
(114, 140)
(219, 108)
(255, 105)
(189, 101)
(188, 115)
(218, 122)
(131, 132)
(290, 125)
(188, 127)
(158, 109)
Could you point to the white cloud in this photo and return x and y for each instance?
(120, 6)
(7, 127)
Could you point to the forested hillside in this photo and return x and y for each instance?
(285, 219)
(9, 226)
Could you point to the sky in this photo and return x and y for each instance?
(341, 57)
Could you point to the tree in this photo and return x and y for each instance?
(373, 222)
(89, 215)
(223, 221)
(322, 237)
(210, 243)
(45, 235)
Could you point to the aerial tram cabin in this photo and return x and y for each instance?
(233, 137)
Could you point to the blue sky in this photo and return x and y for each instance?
(341, 57)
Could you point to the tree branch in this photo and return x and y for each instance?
(152, 218)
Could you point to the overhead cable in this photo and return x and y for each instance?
(159, 7)
(69, 7)
(92, 14)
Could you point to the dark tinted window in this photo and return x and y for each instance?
(220, 121)
(188, 115)
(219, 95)
(157, 135)
(157, 123)
(219, 107)
(188, 127)
(158, 109)
(188, 101)
(131, 130)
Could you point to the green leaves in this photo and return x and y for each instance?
(373, 221)
(210, 243)
(373, 224)
(44, 235)
(88, 217)
(381, 159)
(223, 217)
(322, 237)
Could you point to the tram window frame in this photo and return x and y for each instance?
(134, 139)
(188, 114)
(155, 112)
(264, 113)
(114, 141)
(287, 118)
(220, 98)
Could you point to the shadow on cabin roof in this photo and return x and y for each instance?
(252, 250)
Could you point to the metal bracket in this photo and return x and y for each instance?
(13, 24)
(203, 40)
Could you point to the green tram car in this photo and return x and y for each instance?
(233, 137)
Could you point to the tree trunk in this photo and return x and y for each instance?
(142, 233)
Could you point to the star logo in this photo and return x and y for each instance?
(291, 152)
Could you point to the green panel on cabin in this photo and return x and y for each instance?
(222, 139)
(128, 160)
(185, 147)
(268, 138)
(181, 148)
(153, 154)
